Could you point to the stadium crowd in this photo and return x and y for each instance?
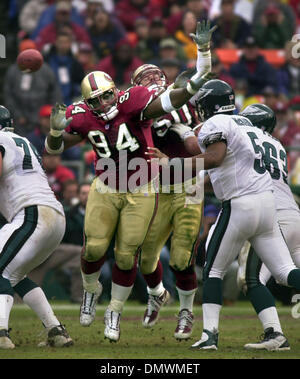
(254, 49)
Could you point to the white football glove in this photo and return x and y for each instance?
(58, 121)
(182, 130)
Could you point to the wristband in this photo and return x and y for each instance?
(54, 151)
(190, 89)
(166, 102)
(56, 133)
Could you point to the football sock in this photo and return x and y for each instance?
(211, 314)
(294, 279)
(119, 294)
(186, 298)
(38, 302)
(269, 319)
(90, 282)
(260, 297)
(156, 291)
(186, 279)
(6, 303)
(155, 277)
(212, 300)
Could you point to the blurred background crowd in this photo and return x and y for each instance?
(256, 49)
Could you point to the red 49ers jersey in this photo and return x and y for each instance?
(168, 141)
(121, 139)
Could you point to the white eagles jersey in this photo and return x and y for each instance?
(243, 171)
(23, 181)
(275, 159)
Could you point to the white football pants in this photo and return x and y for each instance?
(28, 240)
(248, 218)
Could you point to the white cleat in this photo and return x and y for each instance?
(208, 341)
(112, 325)
(153, 307)
(271, 341)
(5, 341)
(88, 306)
(185, 325)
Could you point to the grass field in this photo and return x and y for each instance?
(238, 325)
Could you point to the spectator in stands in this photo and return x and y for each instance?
(286, 127)
(57, 173)
(188, 25)
(30, 15)
(139, 38)
(70, 194)
(232, 29)
(157, 33)
(25, 93)
(288, 76)
(169, 49)
(220, 71)
(253, 67)
(295, 4)
(92, 8)
(271, 96)
(129, 10)
(272, 31)
(172, 68)
(104, 34)
(49, 14)
(197, 7)
(287, 12)
(68, 70)
(86, 57)
(242, 8)
(48, 34)
(38, 135)
(121, 63)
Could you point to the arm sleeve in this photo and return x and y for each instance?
(76, 126)
(139, 98)
(214, 130)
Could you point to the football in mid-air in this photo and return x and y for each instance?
(30, 60)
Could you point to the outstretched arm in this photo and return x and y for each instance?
(213, 156)
(173, 99)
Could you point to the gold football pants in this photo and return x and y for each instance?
(125, 215)
(184, 220)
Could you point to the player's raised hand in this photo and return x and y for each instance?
(203, 35)
(58, 121)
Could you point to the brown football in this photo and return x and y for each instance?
(30, 60)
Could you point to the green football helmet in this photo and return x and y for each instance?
(6, 121)
(261, 116)
(214, 97)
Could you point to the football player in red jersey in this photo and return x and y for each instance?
(115, 122)
(173, 215)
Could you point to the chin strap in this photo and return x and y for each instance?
(111, 114)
